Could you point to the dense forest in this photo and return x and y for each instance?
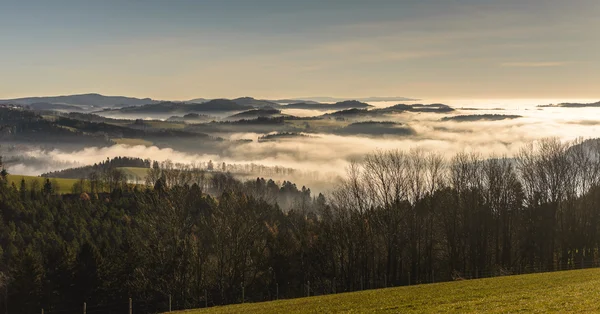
(397, 218)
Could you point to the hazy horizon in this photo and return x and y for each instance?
(413, 99)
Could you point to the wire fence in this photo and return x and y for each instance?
(170, 303)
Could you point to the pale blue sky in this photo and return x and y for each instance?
(182, 49)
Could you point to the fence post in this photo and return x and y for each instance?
(84, 307)
(169, 303)
(432, 276)
(560, 264)
(130, 306)
(385, 280)
(361, 283)
(409, 278)
(243, 292)
(276, 291)
(205, 298)
(308, 289)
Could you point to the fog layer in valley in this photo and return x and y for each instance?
(324, 156)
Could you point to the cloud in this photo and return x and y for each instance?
(585, 122)
(533, 64)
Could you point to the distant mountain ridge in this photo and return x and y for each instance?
(295, 101)
(573, 105)
(85, 101)
(347, 104)
(257, 103)
(178, 107)
(363, 99)
(255, 113)
(92, 102)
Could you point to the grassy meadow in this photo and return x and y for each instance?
(64, 185)
(562, 292)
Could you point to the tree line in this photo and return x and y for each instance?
(109, 163)
(397, 218)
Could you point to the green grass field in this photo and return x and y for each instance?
(563, 292)
(65, 185)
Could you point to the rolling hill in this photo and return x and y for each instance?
(566, 291)
(364, 99)
(347, 104)
(215, 105)
(64, 185)
(85, 101)
(376, 128)
(481, 117)
(257, 103)
(573, 105)
(255, 113)
(432, 108)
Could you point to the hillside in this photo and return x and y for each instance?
(257, 103)
(481, 117)
(566, 291)
(573, 105)
(191, 118)
(323, 99)
(133, 167)
(64, 185)
(400, 108)
(348, 104)
(23, 126)
(256, 113)
(348, 113)
(376, 128)
(82, 100)
(177, 107)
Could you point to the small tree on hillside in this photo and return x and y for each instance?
(3, 172)
(47, 187)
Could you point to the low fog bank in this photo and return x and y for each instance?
(320, 158)
(318, 176)
(327, 152)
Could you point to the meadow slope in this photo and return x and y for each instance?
(65, 186)
(566, 291)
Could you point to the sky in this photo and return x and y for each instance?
(184, 49)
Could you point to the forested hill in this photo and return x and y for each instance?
(348, 104)
(105, 247)
(397, 218)
(174, 107)
(78, 131)
(85, 171)
(82, 101)
(17, 125)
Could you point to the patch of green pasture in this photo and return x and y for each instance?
(64, 185)
(558, 292)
